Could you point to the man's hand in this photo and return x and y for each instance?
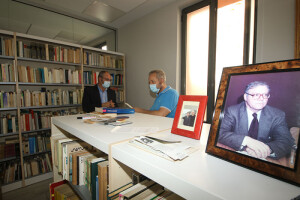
(257, 148)
(108, 104)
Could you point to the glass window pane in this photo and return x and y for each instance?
(230, 36)
(197, 51)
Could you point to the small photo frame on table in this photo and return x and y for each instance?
(272, 90)
(189, 116)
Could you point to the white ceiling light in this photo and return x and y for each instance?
(103, 11)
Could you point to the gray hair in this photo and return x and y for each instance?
(255, 84)
(160, 74)
(101, 74)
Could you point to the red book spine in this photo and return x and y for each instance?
(27, 125)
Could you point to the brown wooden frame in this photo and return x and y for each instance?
(268, 168)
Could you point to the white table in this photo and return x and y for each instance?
(200, 176)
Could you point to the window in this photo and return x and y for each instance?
(214, 35)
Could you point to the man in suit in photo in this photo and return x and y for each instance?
(186, 119)
(99, 95)
(255, 127)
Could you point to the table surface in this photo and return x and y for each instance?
(101, 136)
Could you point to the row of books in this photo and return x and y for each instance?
(6, 46)
(8, 99)
(96, 59)
(8, 123)
(91, 77)
(78, 162)
(51, 98)
(117, 79)
(9, 147)
(35, 120)
(7, 73)
(38, 165)
(48, 75)
(48, 52)
(10, 172)
(81, 164)
(36, 143)
(119, 96)
(30, 120)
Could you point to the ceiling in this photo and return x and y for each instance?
(104, 16)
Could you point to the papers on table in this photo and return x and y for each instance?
(174, 150)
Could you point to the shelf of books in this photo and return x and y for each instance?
(41, 78)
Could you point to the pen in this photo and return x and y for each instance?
(89, 117)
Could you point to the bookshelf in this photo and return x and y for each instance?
(43, 77)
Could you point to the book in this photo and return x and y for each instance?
(68, 148)
(115, 110)
(75, 171)
(59, 152)
(81, 168)
(115, 194)
(136, 189)
(99, 169)
(149, 193)
(92, 170)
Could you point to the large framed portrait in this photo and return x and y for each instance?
(189, 116)
(256, 120)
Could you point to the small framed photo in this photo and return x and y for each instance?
(189, 116)
(256, 121)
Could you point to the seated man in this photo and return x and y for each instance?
(255, 127)
(166, 100)
(99, 95)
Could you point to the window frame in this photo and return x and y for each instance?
(212, 47)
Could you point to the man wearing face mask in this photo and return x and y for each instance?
(166, 98)
(99, 95)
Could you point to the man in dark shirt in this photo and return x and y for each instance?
(99, 95)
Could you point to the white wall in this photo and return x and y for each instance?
(151, 42)
(154, 42)
(275, 30)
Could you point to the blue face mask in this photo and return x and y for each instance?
(106, 84)
(153, 88)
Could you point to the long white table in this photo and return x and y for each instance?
(200, 176)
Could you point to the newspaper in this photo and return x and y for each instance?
(166, 149)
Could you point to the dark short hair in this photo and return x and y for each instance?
(160, 74)
(255, 84)
(101, 74)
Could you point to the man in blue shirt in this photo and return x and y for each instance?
(166, 100)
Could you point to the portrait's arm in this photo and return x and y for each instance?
(281, 139)
(228, 133)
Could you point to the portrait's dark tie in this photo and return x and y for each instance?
(253, 130)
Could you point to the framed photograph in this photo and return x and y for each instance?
(189, 116)
(256, 122)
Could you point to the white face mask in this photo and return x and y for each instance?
(106, 84)
(153, 88)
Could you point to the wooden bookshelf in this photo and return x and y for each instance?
(40, 55)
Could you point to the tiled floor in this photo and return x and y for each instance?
(38, 191)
